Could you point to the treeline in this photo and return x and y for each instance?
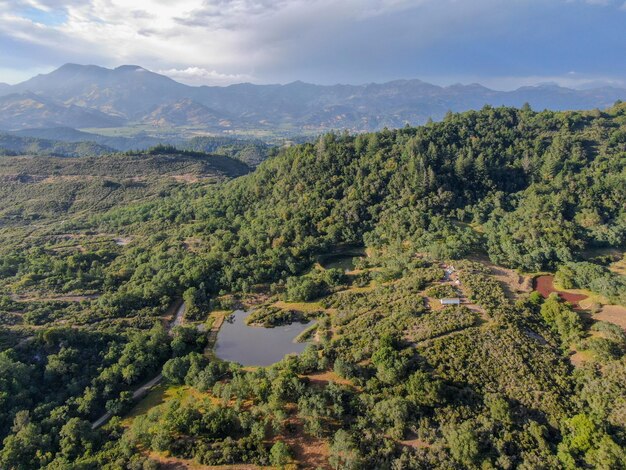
(592, 276)
(529, 180)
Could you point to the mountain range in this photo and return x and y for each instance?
(89, 96)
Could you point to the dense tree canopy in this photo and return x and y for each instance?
(88, 281)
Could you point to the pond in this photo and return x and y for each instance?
(256, 346)
(342, 260)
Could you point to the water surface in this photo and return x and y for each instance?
(341, 260)
(256, 346)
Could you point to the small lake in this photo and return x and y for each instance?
(341, 260)
(256, 346)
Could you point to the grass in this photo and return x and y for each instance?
(158, 395)
(306, 335)
(592, 297)
(306, 307)
(162, 394)
(210, 321)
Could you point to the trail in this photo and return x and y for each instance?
(143, 390)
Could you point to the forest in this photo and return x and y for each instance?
(96, 253)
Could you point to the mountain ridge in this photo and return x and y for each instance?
(130, 95)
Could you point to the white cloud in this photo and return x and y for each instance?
(226, 38)
(223, 40)
(201, 76)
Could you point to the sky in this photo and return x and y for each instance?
(503, 44)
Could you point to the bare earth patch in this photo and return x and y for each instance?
(186, 178)
(172, 463)
(308, 451)
(59, 298)
(433, 304)
(299, 306)
(414, 442)
(615, 314)
(323, 378)
(545, 286)
(192, 244)
(122, 241)
(512, 282)
(580, 357)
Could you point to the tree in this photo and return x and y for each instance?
(27, 447)
(423, 390)
(463, 443)
(344, 454)
(176, 369)
(561, 319)
(197, 302)
(390, 365)
(121, 404)
(391, 415)
(76, 438)
(279, 454)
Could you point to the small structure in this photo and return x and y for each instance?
(450, 301)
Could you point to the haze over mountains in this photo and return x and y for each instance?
(88, 96)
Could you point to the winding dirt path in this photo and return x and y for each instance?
(145, 388)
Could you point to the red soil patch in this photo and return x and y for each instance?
(545, 286)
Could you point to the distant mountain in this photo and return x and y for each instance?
(13, 144)
(128, 91)
(184, 112)
(133, 95)
(20, 110)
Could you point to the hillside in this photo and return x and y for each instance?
(19, 145)
(473, 207)
(131, 96)
(43, 188)
(68, 134)
(75, 143)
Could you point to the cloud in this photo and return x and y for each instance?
(317, 40)
(201, 76)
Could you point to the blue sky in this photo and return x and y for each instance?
(499, 43)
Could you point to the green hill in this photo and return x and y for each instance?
(17, 145)
(42, 188)
(468, 207)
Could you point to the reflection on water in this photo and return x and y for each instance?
(255, 346)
